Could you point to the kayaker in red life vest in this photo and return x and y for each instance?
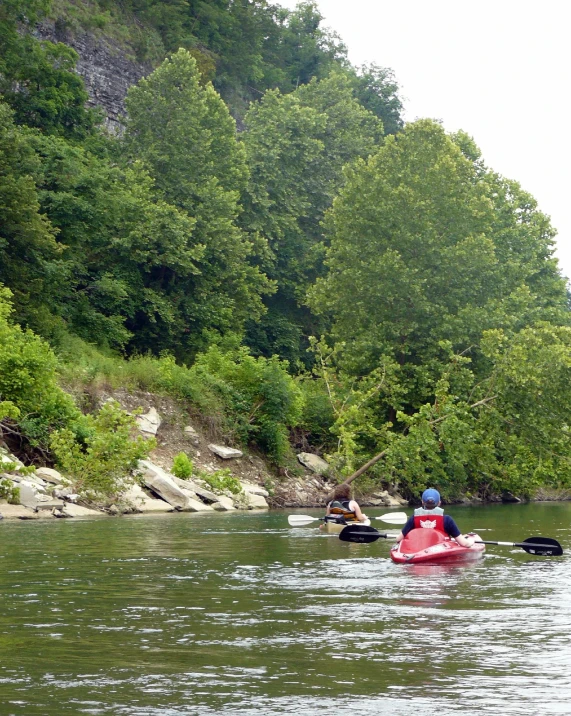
(343, 505)
(431, 515)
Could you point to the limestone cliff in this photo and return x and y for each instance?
(107, 69)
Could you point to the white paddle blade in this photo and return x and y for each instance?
(300, 520)
(394, 518)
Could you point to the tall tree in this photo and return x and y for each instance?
(430, 251)
(297, 145)
(378, 91)
(124, 254)
(186, 136)
(29, 251)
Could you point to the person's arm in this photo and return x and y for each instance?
(328, 509)
(406, 529)
(354, 507)
(454, 531)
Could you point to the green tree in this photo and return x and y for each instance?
(185, 135)
(377, 90)
(430, 251)
(29, 252)
(37, 79)
(125, 253)
(297, 145)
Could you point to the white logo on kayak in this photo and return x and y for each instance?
(430, 524)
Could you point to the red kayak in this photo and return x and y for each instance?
(429, 545)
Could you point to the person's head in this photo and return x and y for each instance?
(430, 498)
(342, 492)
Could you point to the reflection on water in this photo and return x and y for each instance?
(241, 614)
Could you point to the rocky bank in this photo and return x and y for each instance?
(46, 493)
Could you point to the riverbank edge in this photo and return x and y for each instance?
(12, 512)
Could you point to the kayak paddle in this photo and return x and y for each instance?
(393, 518)
(539, 546)
(396, 518)
(362, 533)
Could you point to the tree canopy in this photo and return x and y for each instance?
(430, 255)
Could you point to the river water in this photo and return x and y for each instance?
(242, 614)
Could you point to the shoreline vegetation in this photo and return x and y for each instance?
(263, 249)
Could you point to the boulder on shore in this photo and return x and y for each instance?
(313, 462)
(226, 453)
(149, 423)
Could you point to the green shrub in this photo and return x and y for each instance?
(222, 481)
(9, 492)
(259, 399)
(99, 462)
(29, 392)
(182, 466)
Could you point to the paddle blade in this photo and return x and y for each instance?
(359, 533)
(300, 520)
(542, 546)
(393, 518)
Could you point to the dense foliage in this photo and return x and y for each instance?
(440, 277)
(37, 416)
(325, 274)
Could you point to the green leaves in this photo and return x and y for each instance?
(185, 135)
(99, 462)
(445, 269)
(297, 146)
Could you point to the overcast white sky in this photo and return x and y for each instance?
(499, 69)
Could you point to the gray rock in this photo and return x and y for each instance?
(192, 435)
(256, 502)
(163, 484)
(205, 495)
(62, 492)
(50, 475)
(19, 512)
(6, 458)
(383, 498)
(225, 453)
(149, 423)
(136, 497)
(71, 510)
(253, 489)
(30, 497)
(224, 504)
(313, 462)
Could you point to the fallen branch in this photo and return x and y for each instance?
(382, 454)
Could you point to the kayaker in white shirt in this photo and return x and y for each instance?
(433, 515)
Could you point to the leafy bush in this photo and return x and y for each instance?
(29, 391)
(260, 399)
(182, 466)
(222, 481)
(9, 492)
(99, 461)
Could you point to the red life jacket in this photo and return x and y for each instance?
(429, 519)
